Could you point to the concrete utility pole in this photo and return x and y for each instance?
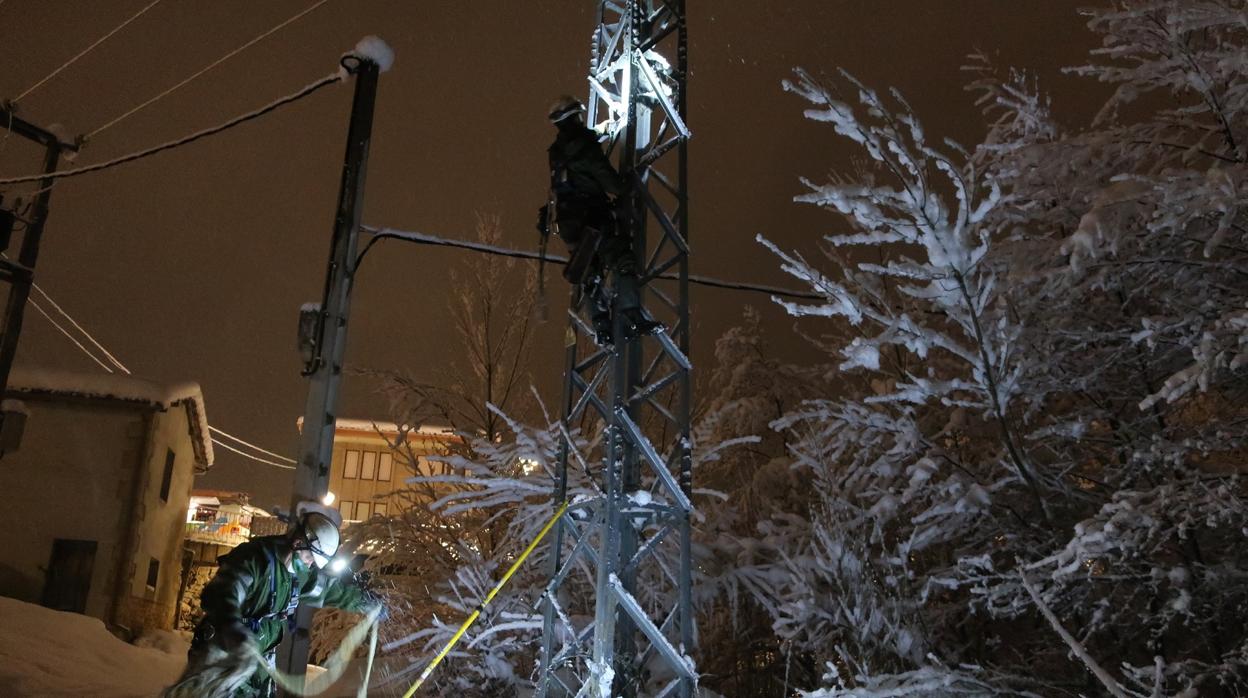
(21, 275)
(635, 534)
(329, 339)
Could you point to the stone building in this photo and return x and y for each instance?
(96, 489)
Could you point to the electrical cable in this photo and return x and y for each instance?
(86, 50)
(71, 338)
(242, 118)
(258, 459)
(119, 365)
(279, 456)
(205, 69)
(80, 328)
(426, 239)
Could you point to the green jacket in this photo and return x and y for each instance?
(254, 588)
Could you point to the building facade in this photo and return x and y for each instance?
(372, 462)
(98, 488)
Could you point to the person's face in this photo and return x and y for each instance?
(305, 556)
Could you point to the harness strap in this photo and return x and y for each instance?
(289, 611)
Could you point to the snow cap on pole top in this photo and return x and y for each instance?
(372, 48)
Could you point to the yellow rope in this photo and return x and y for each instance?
(335, 666)
(488, 598)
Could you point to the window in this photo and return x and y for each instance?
(352, 469)
(167, 479)
(370, 466)
(345, 506)
(379, 509)
(362, 511)
(153, 574)
(384, 467)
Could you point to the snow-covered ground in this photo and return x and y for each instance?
(51, 654)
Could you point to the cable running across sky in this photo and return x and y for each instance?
(205, 69)
(86, 50)
(137, 155)
(426, 239)
(121, 367)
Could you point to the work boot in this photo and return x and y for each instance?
(638, 324)
(602, 330)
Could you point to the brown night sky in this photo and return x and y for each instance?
(191, 265)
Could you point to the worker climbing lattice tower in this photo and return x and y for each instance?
(617, 609)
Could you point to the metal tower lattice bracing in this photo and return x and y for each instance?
(618, 617)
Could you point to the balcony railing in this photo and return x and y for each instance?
(219, 527)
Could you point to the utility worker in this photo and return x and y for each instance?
(580, 208)
(253, 597)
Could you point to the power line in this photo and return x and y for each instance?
(205, 69)
(279, 102)
(86, 50)
(426, 239)
(71, 338)
(258, 459)
(119, 365)
(251, 445)
(81, 329)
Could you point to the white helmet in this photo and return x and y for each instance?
(319, 527)
(564, 107)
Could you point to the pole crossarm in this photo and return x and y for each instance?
(9, 120)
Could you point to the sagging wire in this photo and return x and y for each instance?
(190, 138)
(86, 50)
(205, 69)
(116, 363)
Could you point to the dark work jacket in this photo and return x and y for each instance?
(579, 168)
(254, 588)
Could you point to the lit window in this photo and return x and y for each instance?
(370, 466)
(345, 508)
(379, 509)
(385, 467)
(352, 469)
(362, 511)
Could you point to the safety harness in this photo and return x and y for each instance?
(288, 612)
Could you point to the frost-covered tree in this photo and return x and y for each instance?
(1033, 464)
(425, 557)
(746, 388)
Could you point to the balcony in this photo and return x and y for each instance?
(223, 528)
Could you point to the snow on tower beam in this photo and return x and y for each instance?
(633, 540)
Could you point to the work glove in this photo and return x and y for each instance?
(232, 635)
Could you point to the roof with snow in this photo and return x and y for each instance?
(112, 387)
(372, 426)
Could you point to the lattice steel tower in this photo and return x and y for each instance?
(618, 607)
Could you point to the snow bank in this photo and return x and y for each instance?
(166, 641)
(51, 654)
